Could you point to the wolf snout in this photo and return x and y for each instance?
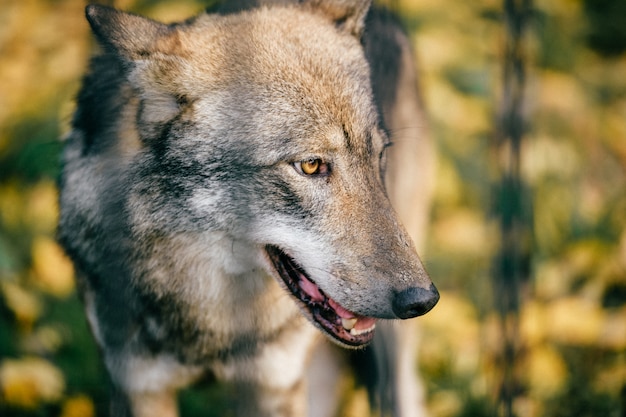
(414, 301)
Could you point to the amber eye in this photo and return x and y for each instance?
(310, 166)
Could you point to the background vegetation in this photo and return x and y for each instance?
(570, 357)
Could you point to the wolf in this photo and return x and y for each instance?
(223, 198)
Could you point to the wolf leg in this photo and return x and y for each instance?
(410, 389)
(324, 376)
(253, 400)
(143, 404)
(148, 404)
(273, 382)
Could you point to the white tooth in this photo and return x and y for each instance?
(348, 324)
(355, 332)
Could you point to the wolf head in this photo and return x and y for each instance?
(262, 125)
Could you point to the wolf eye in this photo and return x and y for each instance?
(311, 166)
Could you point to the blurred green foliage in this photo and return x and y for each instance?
(572, 323)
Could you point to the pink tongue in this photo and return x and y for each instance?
(311, 289)
(314, 292)
(362, 323)
(342, 312)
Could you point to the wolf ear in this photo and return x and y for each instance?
(349, 15)
(147, 49)
(127, 35)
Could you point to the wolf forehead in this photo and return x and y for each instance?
(295, 60)
(284, 43)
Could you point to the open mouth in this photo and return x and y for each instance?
(342, 325)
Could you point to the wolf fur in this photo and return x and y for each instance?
(223, 195)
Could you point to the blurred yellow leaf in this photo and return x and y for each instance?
(552, 279)
(532, 323)
(26, 306)
(611, 380)
(621, 252)
(437, 47)
(445, 403)
(464, 114)
(546, 156)
(561, 93)
(44, 340)
(44, 40)
(53, 270)
(30, 381)
(449, 186)
(41, 208)
(452, 328)
(615, 133)
(614, 331)
(575, 321)
(552, 215)
(79, 406)
(174, 11)
(527, 407)
(463, 231)
(561, 7)
(545, 371)
(10, 204)
(586, 256)
(358, 404)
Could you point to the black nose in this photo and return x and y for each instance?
(415, 301)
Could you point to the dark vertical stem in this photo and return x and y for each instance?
(511, 267)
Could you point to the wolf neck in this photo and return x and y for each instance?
(221, 283)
